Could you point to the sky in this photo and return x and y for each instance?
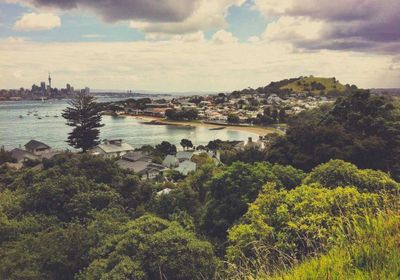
(197, 45)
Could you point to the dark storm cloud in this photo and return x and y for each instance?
(351, 24)
(114, 10)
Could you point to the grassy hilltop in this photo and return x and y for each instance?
(303, 85)
(315, 85)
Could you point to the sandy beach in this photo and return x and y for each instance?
(260, 131)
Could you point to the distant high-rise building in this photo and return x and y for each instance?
(49, 81)
(43, 86)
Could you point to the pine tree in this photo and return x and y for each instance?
(84, 115)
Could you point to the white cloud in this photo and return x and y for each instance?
(294, 28)
(14, 40)
(206, 15)
(92, 36)
(190, 37)
(184, 66)
(254, 39)
(224, 37)
(274, 7)
(37, 22)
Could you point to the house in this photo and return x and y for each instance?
(164, 191)
(155, 112)
(37, 148)
(142, 164)
(170, 161)
(251, 144)
(215, 155)
(112, 148)
(137, 156)
(184, 155)
(145, 169)
(22, 155)
(186, 167)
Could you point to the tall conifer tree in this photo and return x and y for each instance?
(84, 115)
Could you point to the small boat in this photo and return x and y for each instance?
(47, 116)
(55, 116)
(39, 118)
(20, 116)
(218, 128)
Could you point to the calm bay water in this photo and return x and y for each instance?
(15, 131)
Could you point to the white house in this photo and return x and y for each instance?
(112, 148)
(184, 155)
(170, 161)
(186, 167)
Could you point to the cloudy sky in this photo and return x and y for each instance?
(198, 45)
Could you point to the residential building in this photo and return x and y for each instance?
(184, 155)
(170, 161)
(112, 148)
(21, 155)
(141, 164)
(186, 167)
(37, 148)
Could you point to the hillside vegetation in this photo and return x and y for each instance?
(310, 85)
(369, 251)
(315, 85)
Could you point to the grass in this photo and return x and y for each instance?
(366, 249)
(303, 84)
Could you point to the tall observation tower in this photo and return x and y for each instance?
(49, 81)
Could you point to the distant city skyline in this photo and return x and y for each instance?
(200, 45)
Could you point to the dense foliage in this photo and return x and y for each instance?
(183, 115)
(151, 248)
(360, 128)
(368, 249)
(294, 224)
(83, 217)
(58, 221)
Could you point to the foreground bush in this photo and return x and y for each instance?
(285, 226)
(369, 251)
(152, 248)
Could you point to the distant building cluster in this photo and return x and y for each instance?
(40, 92)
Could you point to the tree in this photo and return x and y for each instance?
(282, 115)
(336, 173)
(152, 248)
(85, 116)
(233, 118)
(166, 148)
(274, 114)
(5, 156)
(230, 193)
(186, 143)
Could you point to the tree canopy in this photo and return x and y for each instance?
(360, 128)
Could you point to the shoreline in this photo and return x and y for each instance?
(259, 131)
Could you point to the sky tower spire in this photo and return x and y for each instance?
(49, 81)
